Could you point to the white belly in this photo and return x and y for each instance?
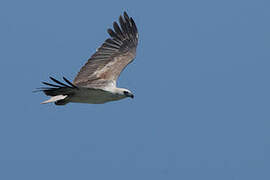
(94, 96)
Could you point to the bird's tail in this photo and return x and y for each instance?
(55, 99)
(60, 92)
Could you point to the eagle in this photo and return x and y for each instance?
(95, 83)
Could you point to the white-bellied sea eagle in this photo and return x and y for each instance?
(96, 81)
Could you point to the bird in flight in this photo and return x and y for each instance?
(96, 81)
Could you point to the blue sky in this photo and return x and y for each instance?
(200, 79)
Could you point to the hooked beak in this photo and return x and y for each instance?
(131, 95)
(128, 94)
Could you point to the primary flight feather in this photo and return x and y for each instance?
(96, 81)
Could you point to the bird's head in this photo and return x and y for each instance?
(126, 93)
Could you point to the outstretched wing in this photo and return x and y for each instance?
(112, 57)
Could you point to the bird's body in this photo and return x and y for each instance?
(95, 96)
(96, 81)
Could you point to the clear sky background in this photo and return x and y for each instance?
(201, 81)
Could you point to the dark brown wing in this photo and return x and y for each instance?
(112, 57)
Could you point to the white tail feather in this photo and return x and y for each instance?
(54, 99)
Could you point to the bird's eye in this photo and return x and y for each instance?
(125, 93)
